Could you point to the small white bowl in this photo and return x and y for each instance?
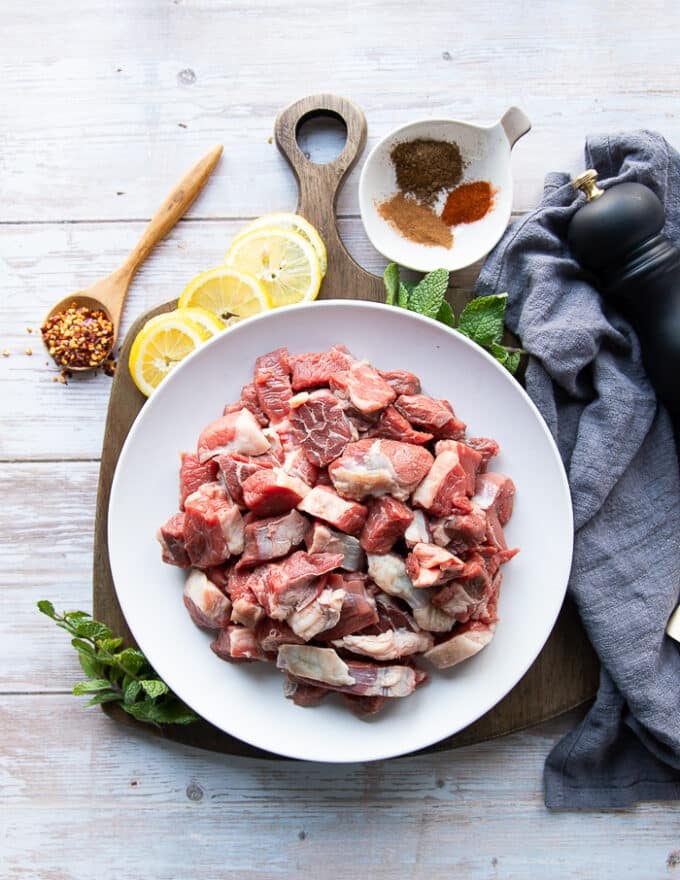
(486, 155)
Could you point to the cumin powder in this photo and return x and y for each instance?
(424, 167)
(416, 222)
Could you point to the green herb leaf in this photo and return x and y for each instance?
(391, 281)
(482, 319)
(131, 691)
(403, 295)
(131, 660)
(104, 697)
(118, 676)
(90, 667)
(445, 314)
(428, 295)
(91, 686)
(154, 688)
(512, 363)
(46, 607)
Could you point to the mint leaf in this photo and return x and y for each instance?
(391, 281)
(90, 666)
(47, 608)
(154, 688)
(132, 691)
(103, 697)
(91, 686)
(428, 295)
(512, 363)
(403, 295)
(482, 319)
(445, 314)
(118, 676)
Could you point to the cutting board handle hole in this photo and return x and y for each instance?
(321, 135)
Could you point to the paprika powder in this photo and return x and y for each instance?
(468, 203)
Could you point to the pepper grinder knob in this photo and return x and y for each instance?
(587, 183)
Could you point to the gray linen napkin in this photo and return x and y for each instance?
(586, 377)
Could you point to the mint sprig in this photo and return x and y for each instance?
(118, 676)
(482, 320)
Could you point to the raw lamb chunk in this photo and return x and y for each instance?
(469, 458)
(234, 470)
(393, 426)
(304, 694)
(387, 521)
(358, 608)
(192, 474)
(295, 581)
(272, 538)
(402, 381)
(428, 565)
(324, 666)
(271, 634)
(460, 530)
(244, 589)
(379, 467)
(470, 591)
(248, 400)
(497, 492)
(322, 538)
(444, 489)
(435, 416)
(319, 425)
(389, 572)
(237, 643)
(324, 503)
(315, 369)
(318, 615)
(272, 491)
(486, 446)
(272, 383)
(388, 645)
(468, 640)
(418, 532)
(208, 607)
(296, 463)
(363, 387)
(171, 538)
(236, 432)
(213, 526)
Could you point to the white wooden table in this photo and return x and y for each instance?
(103, 105)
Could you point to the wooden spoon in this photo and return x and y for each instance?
(108, 294)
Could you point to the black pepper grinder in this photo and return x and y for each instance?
(617, 235)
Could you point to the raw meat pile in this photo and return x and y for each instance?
(338, 522)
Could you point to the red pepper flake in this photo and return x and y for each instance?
(78, 337)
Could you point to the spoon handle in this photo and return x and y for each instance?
(178, 200)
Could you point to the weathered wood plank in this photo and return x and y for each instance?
(145, 89)
(107, 795)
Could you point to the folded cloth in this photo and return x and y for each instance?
(585, 374)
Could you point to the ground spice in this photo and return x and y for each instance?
(416, 222)
(468, 203)
(78, 337)
(425, 167)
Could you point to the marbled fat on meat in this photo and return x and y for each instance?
(213, 526)
(379, 467)
(320, 427)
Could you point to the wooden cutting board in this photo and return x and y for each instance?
(565, 673)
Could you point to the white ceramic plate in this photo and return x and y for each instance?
(246, 700)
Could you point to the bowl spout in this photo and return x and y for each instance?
(515, 124)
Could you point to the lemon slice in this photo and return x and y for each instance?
(205, 318)
(160, 345)
(225, 291)
(288, 220)
(283, 261)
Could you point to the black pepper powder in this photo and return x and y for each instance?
(424, 167)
